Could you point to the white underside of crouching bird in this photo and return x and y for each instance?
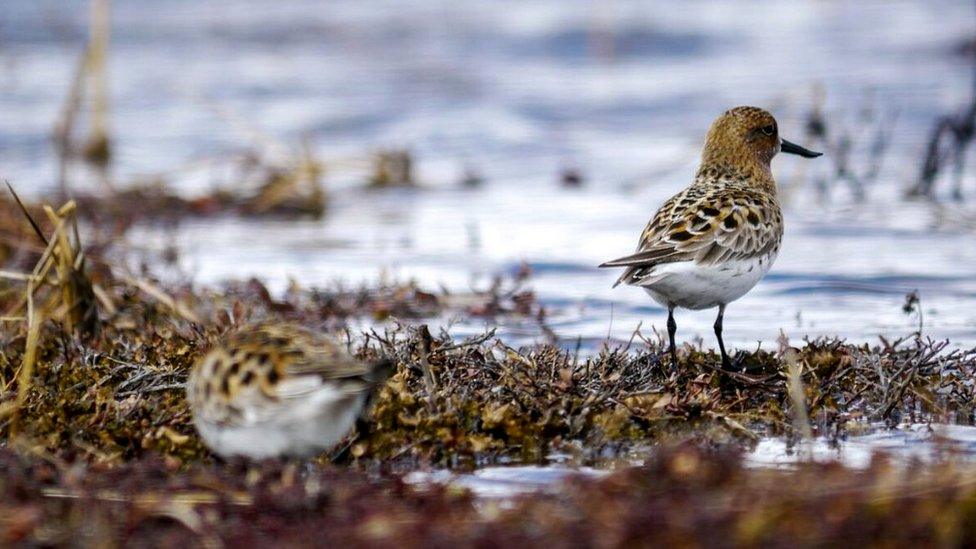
(276, 389)
(301, 428)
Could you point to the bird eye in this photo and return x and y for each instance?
(769, 130)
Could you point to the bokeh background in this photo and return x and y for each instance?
(534, 133)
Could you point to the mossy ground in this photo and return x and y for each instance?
(101, 426)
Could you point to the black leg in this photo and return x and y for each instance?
(672, 328)
(726, 363)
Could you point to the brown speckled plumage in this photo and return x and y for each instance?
(710, 243)
(262, 375)
(713, 221)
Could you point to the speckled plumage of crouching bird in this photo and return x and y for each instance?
(711, 243)
(279, 390)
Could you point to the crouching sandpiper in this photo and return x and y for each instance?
(279, 390)
(711, 243)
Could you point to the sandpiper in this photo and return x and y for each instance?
(279, 390)
(712, 242)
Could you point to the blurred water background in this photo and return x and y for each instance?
(517, 93)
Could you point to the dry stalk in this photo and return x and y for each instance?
(25, 372)
(797, 394)
(66, 123)
(98, 149)
(78, 305)
(90, 75)
(161, 296)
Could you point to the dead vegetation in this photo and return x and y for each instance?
(94, 360)
(454, 403)
(392, 168)
(855, 146)
(949, 143)
(262, 188)
(687, 495)
(286, 185)
(98, 444)
(948, 146)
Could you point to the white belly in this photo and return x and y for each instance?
(693, 286)
(286, 435)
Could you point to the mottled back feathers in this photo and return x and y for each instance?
(707, 224)
(256, 371)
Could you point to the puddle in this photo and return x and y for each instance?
(903, 444)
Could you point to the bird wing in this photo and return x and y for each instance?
(705, 226)
(326, 359)
(280, 366)
(274, 397)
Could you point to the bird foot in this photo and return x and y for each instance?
(735, 364)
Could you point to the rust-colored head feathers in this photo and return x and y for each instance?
(745, 140)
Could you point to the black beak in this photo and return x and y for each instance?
(793, 148)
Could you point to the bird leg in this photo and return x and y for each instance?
(672, 328)
(726, 363)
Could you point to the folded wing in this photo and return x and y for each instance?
(706, 228)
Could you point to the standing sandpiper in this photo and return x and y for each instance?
(712, 242)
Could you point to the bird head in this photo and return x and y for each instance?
(747, 137)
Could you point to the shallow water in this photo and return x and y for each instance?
(516, 92)
(903, 445)
(504, 482)
(622, 91)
